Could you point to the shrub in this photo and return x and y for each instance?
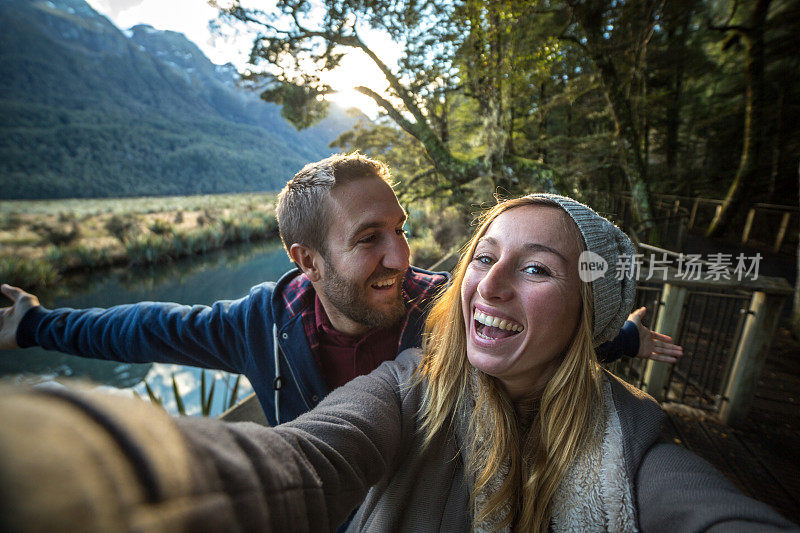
(12, 221)
(425, 251)
(79, 257)
(161, 227)
(27, 273)
(58, 235)
(121, 227)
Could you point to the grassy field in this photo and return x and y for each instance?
(44, 239)
(41, 240)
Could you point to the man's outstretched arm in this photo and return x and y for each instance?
(211, 337)
(637, 340)
(10, 317)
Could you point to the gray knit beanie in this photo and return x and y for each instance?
(613, 288)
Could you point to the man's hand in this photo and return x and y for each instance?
(10, 317)
(652, 345)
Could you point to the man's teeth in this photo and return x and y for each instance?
(384, 284)
(495, 322)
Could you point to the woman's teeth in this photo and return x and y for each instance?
(496, 322)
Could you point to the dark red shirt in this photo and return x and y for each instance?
(342, 357)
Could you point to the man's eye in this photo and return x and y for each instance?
(401, 231)
(366, 240)
(536, 270)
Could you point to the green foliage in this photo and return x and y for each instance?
(154, 398)
(207, 394)
(178, 398)
(425, 251)
(161, 227)
(573, 97)
(206, 399)
(159, 248)
(87, 112)
(234, 391)
(59, 234)
(12, 221)
(120, 226)
(77, 257)
(26, 272)
(301, 105)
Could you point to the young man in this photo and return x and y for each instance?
(352, 303)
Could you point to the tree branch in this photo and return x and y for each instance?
(419, 176)
(396, 115)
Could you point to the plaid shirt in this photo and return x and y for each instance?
(418, 291)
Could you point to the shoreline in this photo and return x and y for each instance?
(44, 245)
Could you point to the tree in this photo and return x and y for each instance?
(464, 46)
(615, 36)
(795, 319)
(752, 165)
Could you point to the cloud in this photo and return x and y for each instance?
(114, 7)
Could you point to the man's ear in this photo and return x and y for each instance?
(307, 260)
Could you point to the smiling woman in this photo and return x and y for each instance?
(504, 421)
(523, 274)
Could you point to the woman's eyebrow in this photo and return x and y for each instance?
(536, 247)
(529, 246)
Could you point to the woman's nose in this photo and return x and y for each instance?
(495, 285)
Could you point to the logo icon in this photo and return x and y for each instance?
(591, 266)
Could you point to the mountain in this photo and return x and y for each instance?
(87, 110)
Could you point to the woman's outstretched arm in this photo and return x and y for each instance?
(86, 461)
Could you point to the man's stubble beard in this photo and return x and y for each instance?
(349, 298)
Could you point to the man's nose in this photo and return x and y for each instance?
(396, 254)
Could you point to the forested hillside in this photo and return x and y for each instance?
(88, 111)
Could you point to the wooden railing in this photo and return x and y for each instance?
(726, 327)
(770, 224)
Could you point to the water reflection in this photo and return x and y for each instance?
(227, 274)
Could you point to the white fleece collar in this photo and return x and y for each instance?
(595, 494)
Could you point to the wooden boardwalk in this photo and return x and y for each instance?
(763, 456)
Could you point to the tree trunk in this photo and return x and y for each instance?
(751, 164)
(679, 28)
(590, 17)
(795, 320)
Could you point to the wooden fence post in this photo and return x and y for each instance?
(694, 213)
(669, 320)
(759, 328)
(782, 232)
(748, 225)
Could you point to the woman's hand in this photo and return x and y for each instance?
(652, 345)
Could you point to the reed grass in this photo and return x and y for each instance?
(207, 394)
(131, 235)
(26, 272)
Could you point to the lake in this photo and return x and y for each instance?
(225, 274)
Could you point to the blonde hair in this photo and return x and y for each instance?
(562, 428)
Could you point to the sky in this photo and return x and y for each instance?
(191, 18)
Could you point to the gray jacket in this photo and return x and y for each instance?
(307, 475)
(364, 437)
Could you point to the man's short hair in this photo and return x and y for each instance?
(302, 210)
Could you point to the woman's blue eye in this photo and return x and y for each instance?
(536, 270)
(485, 259)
